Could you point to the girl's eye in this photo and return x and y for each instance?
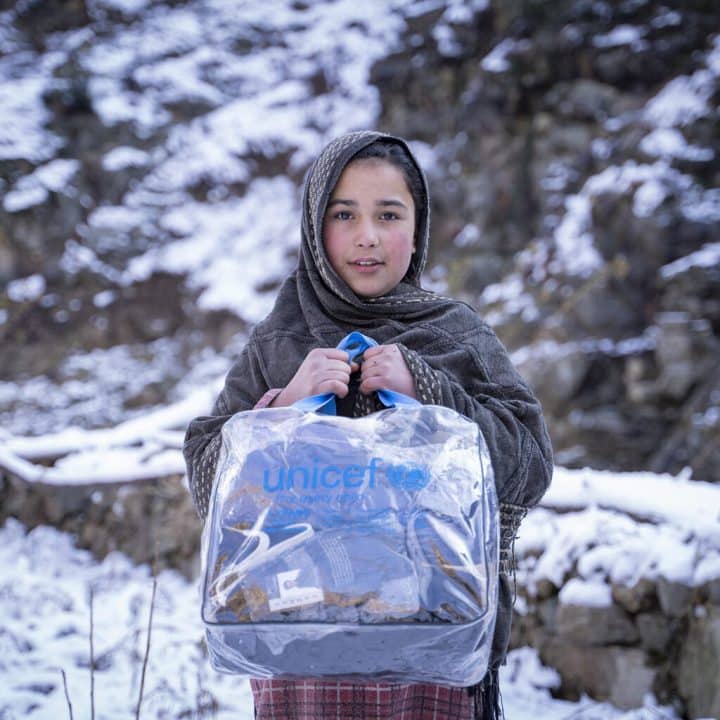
(342, 215)
(389, 215)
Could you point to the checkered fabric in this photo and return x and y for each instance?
(323, 700)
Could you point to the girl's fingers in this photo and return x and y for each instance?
(385, 369)
(369, 386)
(373, 380)
(371, 352)
(335, 354)
(387, 350)
(334, 375)
(374, 366)
(336, 388)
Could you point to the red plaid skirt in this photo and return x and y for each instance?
(331, 700)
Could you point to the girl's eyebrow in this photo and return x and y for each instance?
(391, 203)
(380, 203)
(340, 201)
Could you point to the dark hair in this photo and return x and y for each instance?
(396, 155)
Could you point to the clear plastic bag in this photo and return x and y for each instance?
(362, 548)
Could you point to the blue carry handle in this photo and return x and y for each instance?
(354, 344)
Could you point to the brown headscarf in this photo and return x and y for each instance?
(319, 287)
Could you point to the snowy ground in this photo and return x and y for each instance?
(46, 583)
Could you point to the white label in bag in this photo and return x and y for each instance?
(293, 595)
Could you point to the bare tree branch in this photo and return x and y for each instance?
(147, 648)
(67, 694)
(92, 657)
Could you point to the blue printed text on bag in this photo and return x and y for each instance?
(318, 476)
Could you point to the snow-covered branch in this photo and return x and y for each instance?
(136, 450)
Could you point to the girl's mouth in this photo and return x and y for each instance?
(366, 265)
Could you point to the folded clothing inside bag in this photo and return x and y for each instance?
(375, 572)
(357, 573)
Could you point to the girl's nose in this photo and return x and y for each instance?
(367, 235)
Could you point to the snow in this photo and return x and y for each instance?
(707, 256)
(712, 59)
(553, 350)
(255, 103)
(447, 43)
(25, 197)
(46, 585)
(26, 289)
(261, 103)
(510, 293)
(648, 197)
(573, 239)
(34, 189)
(666, 18)
(114, 105)
(652, 184)
(587, 593)
(702, 206)
(123, 157)
(456, 12)
(678, 500)
(129, 7)
(468, 236)
(682, 101)
(176, 79)
(558, 174)
(619, 528)
(621, 35)
(104, 298)
(90, 390)
(22, 121)
(686, 98)
(117, 220)
(496, 60)
(212, 256)
(623, 526)
(128, 433)
(670, 143)
(77, 257)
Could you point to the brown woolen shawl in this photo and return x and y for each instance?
(471, 370)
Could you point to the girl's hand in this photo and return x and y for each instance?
(384, 368)
(323, 370)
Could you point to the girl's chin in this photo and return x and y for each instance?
(367, 293)
(369, 284)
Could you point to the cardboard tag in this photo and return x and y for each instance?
(293, 595)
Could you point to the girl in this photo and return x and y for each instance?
(365, 233)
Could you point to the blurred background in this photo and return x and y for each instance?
(151, 162)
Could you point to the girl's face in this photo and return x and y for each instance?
(369, 227)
